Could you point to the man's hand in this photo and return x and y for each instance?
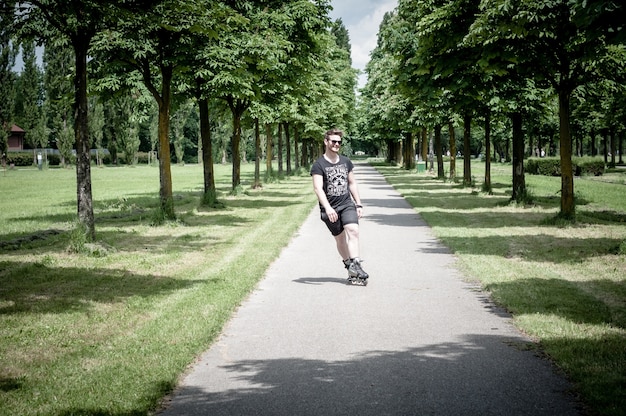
(332, 215)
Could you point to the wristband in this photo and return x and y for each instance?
(358, 206)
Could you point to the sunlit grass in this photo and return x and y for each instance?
(109, 331)
(565, 285)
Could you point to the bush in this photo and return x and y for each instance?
(589, 166)
(547, 166)
(551, 166)
(20, 158)
(54, 160)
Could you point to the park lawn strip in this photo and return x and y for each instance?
(565, 285)
(111, 333)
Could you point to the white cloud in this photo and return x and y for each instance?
(361, 19)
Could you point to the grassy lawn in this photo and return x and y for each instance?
(108, 330)
(564, 284)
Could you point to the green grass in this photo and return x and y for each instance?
(108, 330)
(565, 284)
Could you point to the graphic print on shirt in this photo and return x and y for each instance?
(337, 180)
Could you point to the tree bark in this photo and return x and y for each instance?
(257, 155)
(409, 151)
(613, 136)
(424, 144)
(438, 152)
(452, 150)
(165, 165)
(280, 149)
(519, 182)
(237, 108)
(288, 148)
(81, 131)
(210, 194)
(487, 184)
(467, 154)
(296, 151)
(268, 148)
(567, 178)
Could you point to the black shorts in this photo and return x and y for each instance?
(347, 215)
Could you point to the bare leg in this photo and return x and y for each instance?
(352, 234)
(342, 245)
(348, 242)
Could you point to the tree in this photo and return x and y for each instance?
(564, 45)
(268, 58)
(439, 66)
(76, 22)
(158, 46)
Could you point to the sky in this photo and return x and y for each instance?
(361, 18)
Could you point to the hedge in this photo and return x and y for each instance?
(551, 166)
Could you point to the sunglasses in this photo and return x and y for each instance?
(334, 142)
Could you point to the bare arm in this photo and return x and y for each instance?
(318, 187)
(354, 191)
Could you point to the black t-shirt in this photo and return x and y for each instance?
(335, 179)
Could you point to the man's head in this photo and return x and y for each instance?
(332, 139)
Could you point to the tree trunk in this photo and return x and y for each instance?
(165, 166)
(236, 140)
(519, 182)
(288, 148)
(398, 156)
(257, 154)
(605, 146)
(438, 152)
(487, 184)
(210, 194)
(424, 144)
(237, 108)
(268, 148)
(296, 141)
(467, 154)
(613, 137)
(280, 149)
(305, 152)
(409, 151)
(83, 145)
(452, 150)
(567, 178)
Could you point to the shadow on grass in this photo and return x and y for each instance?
(604, 388)
(10, 383)
(40, 289)
(140, 209)
(569, 300)
(536, 247)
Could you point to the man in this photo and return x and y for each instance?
(340, 205)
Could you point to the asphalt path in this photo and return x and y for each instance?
(418, 340)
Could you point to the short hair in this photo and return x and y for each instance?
(333, 132)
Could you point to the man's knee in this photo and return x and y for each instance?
(352, 230)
